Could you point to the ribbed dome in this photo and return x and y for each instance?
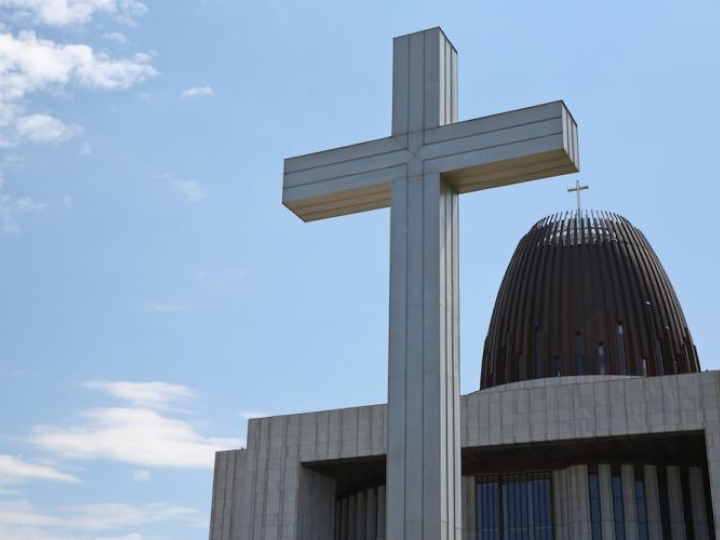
(585, 294)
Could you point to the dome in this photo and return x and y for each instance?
(585, 294)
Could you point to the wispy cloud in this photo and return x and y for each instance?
(140, 475)
(15, 470)
(115, 37)
(164, 307)
(20, 519)
(191, 190)
(13, 209)
(143, 434)
(197, 91)
(152, 395)
(74, 12)
(43, 128)
(220, 280)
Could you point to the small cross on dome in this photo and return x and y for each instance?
(577, 189)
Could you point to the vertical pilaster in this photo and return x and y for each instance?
(469, 516)
(582, 496)
(677, 520)
(628, 487)
(652, 502)
(606, 502)
(697, 496)
(423, 464)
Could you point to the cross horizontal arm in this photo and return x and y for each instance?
(503, 149)
(492, 151)
(344, 180)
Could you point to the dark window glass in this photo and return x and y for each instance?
(579, 354)
(601, 359)
(641, 506)
(538, 363)
(687, 502)
(664, 503)
(514, 507)
(557, 366)
(623, 350)
(595, 509)
(661, 358)
(488, 509)
(618, 508)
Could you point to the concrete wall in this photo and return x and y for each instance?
(268, 497)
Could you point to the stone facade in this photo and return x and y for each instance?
(267, 492)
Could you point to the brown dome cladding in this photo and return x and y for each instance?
(585, 295)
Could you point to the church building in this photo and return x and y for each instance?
(593, 419)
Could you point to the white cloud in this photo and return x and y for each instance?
(115, 37)
(75, 12)
(197, 91)
(13, 208)
(29, 65)
(132, 435)
(191, 190)
(141, 435)
(15, 470)
(21, 520)
(43, 128)
(152, 395)
(140, 475)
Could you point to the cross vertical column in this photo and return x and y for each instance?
(423, 463)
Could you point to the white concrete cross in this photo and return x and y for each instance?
(419, 171)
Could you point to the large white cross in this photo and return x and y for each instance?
(419, 171)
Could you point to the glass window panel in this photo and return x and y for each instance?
(595, 508)
(514, 507)
(538, 364)
(623, 350)
(641, 507)
(579, 354)
(618, 509)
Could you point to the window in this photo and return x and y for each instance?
(514, 506)
(578, 354)
(595, 508)
(661, 359)
(641, 506)
(601, 359)
(618, 508)
(538, 364)
(488, 509)
(557, 366)
(623, 350)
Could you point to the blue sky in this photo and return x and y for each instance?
(155, 293)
